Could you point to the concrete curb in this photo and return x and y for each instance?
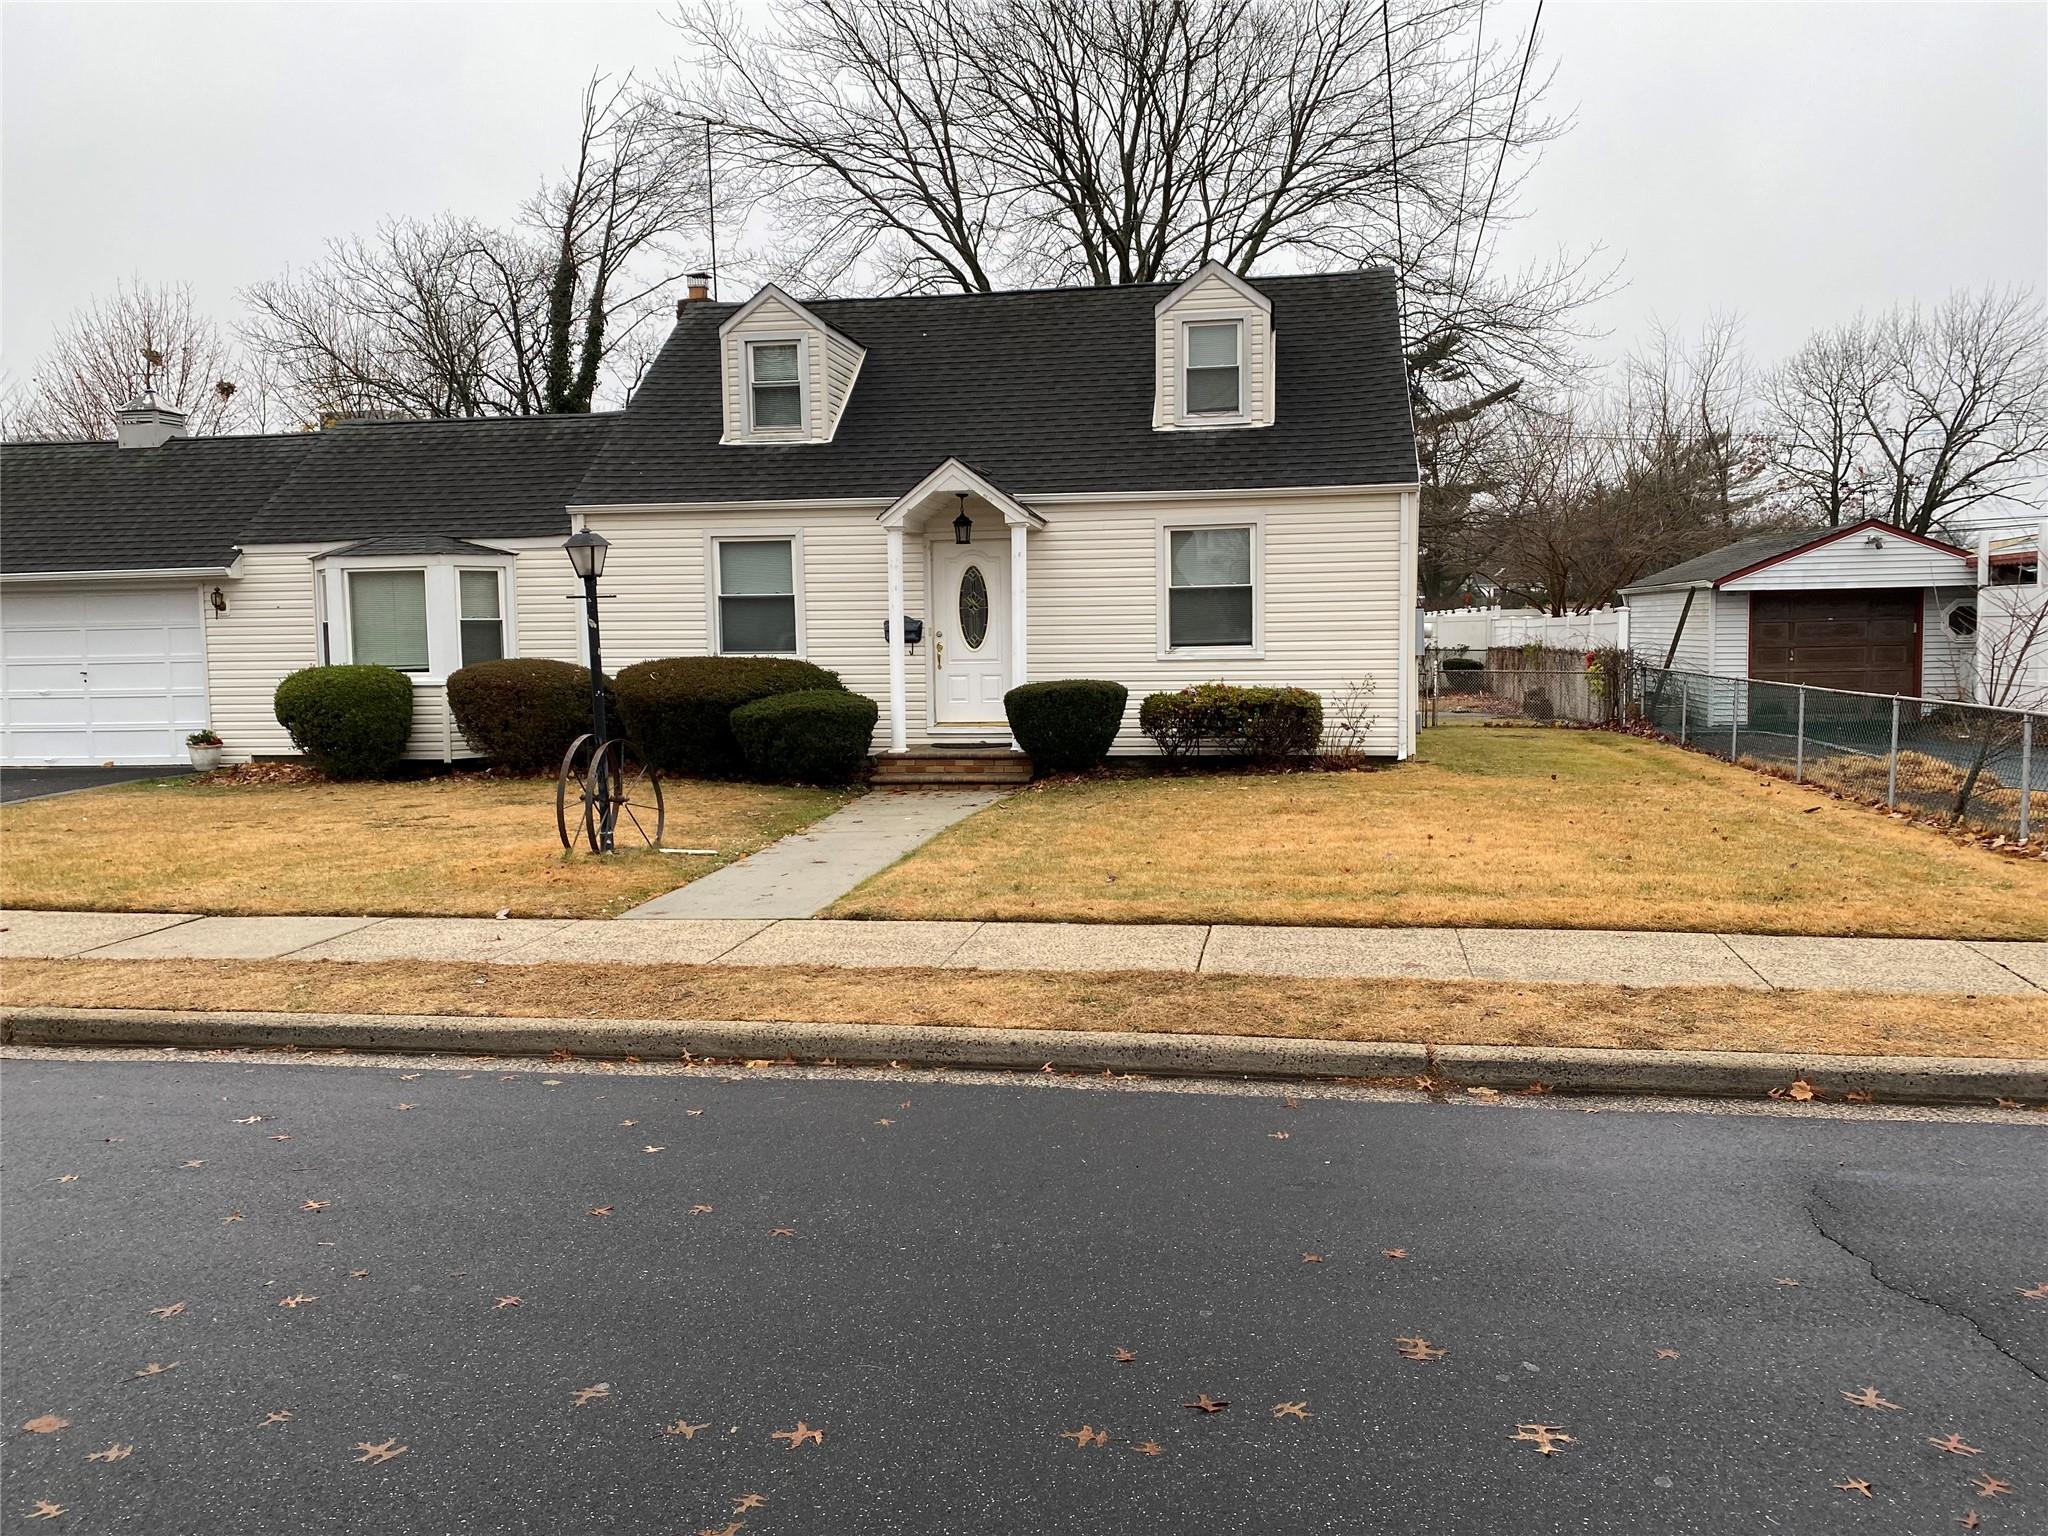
(1907, 1079)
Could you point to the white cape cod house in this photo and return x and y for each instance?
(936, 497)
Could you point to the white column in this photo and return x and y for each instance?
(899, 730)
(1020, 671)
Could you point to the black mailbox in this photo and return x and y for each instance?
(913, 630)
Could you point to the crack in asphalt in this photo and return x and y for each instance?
(1815, 1199)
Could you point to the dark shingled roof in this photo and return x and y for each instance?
(98, 507)
(414, 544)
(1715, 564)
(504, 478)
(1042, 392)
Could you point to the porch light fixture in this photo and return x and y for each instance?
(586, 552)
(963, 525)
(218, 599)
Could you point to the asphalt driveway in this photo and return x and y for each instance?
(35, 783)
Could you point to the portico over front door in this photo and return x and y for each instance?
(970, 635)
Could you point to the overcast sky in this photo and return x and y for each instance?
(1792, 162)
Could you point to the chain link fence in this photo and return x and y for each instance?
(1962, 763)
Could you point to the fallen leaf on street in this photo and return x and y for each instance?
(46, 1424)
(1989, 1487)
(599, 1210)
(1418, 1349)
(1787, 1280)
(1970, 1522)
(390, 1450)
(1801, 1091)
(799, 1435)
(782, 1231)
(172, 1310)
(1483, 1093)
(1868, 1398)
(700, 1210)
(1856, 1485)
(1545, 1437)
(1207, 1404)
(275, 1416)
(1291, 1411)
(314, 1205)
(297, 1299)
(683, 1428)
(1125, 1356)
(115, 1452)
(45, 1510)
(1149, 1448)
(1393, 1253)
(747, 1501)
(153, 1369)
(251, 1120)
(1858, 1096)
(231, 1216)
(67, 1178)
(197, 1162)
(1953, 1444)
(654, 1149)
(724, 1530)
(2036, 1292)
(1277, 1135)
(507, 1301)
(1086, 1436)
(1667, 1354)
(586, 1395)
(1311, 1258)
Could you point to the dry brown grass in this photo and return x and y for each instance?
(444, 847)
(1926, 783)
(1433, 1012)
(1488, 827)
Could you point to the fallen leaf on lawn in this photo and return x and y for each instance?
(1207, 1404)
(1311, 1258)
(507, 1301)
(684, 1428)
(275, 1416)
(586, 1395)
(390, 1450)
(799, 1435)
(1867, 1398)
(1393, 1253)
(1545, 1437)
(1667, 1354)
(1856, 1485)
(599, 1210)
(700, 1210)
(297, 1299)
(172, 1310)
(314, 1205)
(46, 1424)
(747, 1501)
(1086, 1436)
(153, 1369)
(115, 1452)
(1989, 1487)
(45, 1510)
(1291, 1411)
(2036, 1292)
(1953, 1444)
(1418, 1349)
(1125, 1356)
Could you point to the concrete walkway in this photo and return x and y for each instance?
(809, 870)
(1449, 954)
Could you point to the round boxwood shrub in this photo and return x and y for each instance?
(352, 722)
(521, 713)
(677, 711)
(817, 736)
(1068, 725)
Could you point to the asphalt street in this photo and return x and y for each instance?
(35, 783)
(253, 1297)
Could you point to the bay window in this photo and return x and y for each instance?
(387, 619)
(482, 616)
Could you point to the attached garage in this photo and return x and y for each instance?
(100, 674)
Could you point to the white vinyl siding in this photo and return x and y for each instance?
(827, 366)
(271, 629)
(1850, 563)
(1652, 619)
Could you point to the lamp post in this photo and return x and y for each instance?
(586, 551)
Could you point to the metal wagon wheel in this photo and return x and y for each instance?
(597, 781)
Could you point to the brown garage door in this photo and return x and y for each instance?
(1865, 641)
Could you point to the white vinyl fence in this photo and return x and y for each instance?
(1475, 631)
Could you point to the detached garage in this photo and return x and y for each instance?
(1866, 609)
(110, 554)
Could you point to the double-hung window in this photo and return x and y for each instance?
(387, 619)
(1213, 380)
(756, 597)
(482, 609)
(1209, 587)
(774, 386)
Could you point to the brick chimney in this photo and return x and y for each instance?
(142, 423)
(700, 290)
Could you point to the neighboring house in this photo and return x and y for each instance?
(1869, 608)
(1140, 483)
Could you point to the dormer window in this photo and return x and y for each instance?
(775, 386)
(1215, 373)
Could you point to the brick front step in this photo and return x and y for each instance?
(997, 766)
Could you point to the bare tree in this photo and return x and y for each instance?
(142, 338)
(1812, 406)
(452, 317)
(1954, 404)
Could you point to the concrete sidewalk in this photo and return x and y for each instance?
(1448, 954)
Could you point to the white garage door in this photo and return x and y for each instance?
(93, 674)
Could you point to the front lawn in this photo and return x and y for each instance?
(444, 847)
(1487, 827)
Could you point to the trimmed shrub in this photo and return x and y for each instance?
(1066, 726)
(352, 722)
(677, 711)
(522, 713)
(1266, 724)
(816, 736)
(1462, 674)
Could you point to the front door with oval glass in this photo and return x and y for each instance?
(970, 635)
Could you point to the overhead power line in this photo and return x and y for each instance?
(1506, 134)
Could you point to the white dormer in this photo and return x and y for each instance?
(787, 374)
(1214, 354)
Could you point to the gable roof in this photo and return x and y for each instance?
(1753, 554)
(502, 477)
(97, 507)
(1044, 392)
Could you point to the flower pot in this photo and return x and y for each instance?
(205, 758)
